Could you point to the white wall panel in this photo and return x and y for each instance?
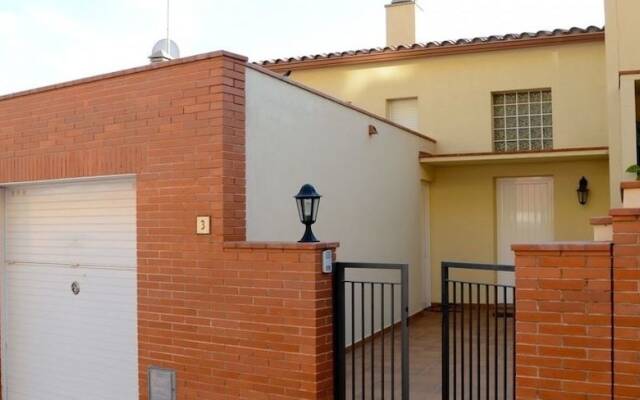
(404, 112)
(373, 197)
(89, 223)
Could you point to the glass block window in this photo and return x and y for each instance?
(522, 121)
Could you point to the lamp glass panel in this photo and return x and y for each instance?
(300, 214)
(581, 196)
(307, 208)
(316, 205)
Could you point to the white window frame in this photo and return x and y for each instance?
(389, 103)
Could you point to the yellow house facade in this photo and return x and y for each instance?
(518, 119)
(623, 88)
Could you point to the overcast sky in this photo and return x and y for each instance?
(50, 41)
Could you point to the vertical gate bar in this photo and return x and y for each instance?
(393, 342)
(382, 339)
(405, 332)
(506, 332)
(353, 341)
(495, 340)
(499, 382)
(462, 304)
(445, 331)
(455, 345)
(478, 339)
(470, 342)
(362, 337)
(373, 341)
(513, 379)
(488, 333)
(339, 332)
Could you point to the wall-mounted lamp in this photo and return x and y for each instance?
(583, 191)
(308, 201)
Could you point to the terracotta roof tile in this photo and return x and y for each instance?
(510, 37)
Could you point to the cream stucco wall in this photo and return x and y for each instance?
(454, 92)
(623, 69)
(463, 204)
(623, 15)
(373, 201)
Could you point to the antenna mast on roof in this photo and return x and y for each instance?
(168, 22)
(165, 49)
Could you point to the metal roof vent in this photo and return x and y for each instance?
(164, 50)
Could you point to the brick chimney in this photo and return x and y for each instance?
(402, 21)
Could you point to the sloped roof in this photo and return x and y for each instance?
(477, 44)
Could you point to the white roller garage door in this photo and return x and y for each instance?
(59, 344)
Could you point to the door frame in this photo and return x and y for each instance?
(427, 278)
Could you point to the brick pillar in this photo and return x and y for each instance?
(626, 238)
(227, 115)
(563, 321)
(279, 319)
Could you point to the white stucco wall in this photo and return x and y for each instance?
(373, 198)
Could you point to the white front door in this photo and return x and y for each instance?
(70, 291)
(525, 215)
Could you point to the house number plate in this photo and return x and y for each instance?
(203, 225)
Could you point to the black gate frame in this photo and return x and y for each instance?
(339, 323)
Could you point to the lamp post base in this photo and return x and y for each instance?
(308, 237)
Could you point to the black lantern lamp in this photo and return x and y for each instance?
(583, 191)
(308, 201)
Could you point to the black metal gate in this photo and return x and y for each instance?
(371, 331)
(478, 335)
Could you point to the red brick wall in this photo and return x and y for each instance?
(178, 126)
(563, 321)
(277, 318)
(246, 323)
(254, 322)
(626, 238)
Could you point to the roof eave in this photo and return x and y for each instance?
(564, 154)
(435, 51)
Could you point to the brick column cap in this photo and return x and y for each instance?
(624, 212)
(282, 245)
(129, 71)
(630, 185)
(601, 221)
(562, 246)
(627, 185)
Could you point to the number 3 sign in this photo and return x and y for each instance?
(203, 225)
